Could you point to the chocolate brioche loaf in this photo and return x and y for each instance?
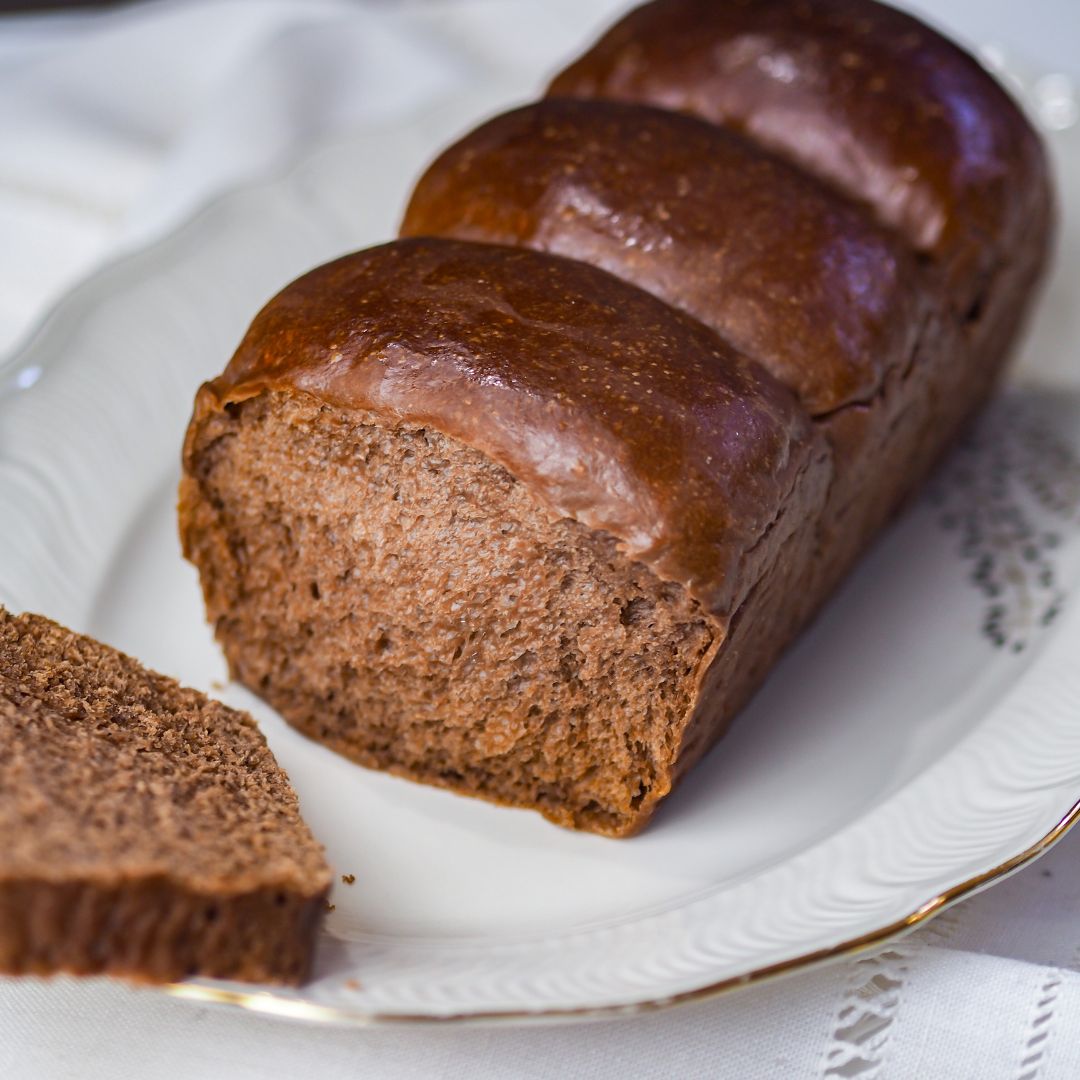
(147, 830)
(477, 511)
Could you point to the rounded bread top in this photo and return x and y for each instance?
(784, 269)
(857, 93)
(614, 408)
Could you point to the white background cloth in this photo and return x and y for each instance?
(116, 126)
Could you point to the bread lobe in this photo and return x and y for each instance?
(613, 408)
(786, 271)
(863, 96)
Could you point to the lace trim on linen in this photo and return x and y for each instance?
(860, 1036)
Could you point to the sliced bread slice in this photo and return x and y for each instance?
(148, 831)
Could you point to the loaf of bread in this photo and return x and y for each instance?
(147, 830)
(527, 503)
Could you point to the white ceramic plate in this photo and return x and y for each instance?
(922, 740)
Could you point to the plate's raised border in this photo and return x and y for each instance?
(269, 1004)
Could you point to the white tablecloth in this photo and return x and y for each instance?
(114, 127)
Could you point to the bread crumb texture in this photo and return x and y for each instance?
(401, 598)
(147, 829)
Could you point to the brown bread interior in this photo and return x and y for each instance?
(403, 599)
(147, 830)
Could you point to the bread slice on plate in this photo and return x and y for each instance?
(148, 831)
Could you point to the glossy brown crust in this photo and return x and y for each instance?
(857, 93)
(615, 409)
(787, 272)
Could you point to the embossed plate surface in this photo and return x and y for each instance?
(921, 740)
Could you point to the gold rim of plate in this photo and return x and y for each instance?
(271, 1004)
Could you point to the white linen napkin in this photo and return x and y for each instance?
(126, 122)
(115, 127)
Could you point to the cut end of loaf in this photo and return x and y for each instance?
(399, 597)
